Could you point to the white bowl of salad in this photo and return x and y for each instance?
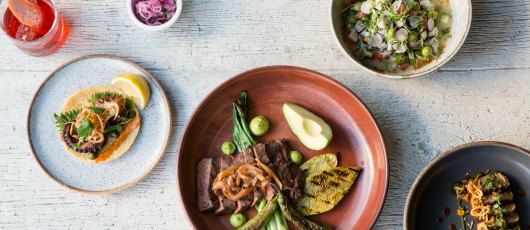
(154, 15)
(400, 38)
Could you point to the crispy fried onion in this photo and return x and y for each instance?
(112, 109)
(98, 122)
(480, 212)
(238, 181)
(478, 209)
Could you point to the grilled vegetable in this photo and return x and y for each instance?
(260, 220)
(296, 218)
(324, 190)
(242, 136)
(319, 163)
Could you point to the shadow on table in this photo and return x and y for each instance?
(408, 143)
(167, 163)
(499, 35)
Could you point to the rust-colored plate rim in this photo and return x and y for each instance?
(445, 154)
(125, 186)
(323, 76)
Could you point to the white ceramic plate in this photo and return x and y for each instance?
(62, 166)
(461, 22)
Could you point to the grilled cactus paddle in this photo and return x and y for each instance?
(319, 163)
(296, 218)
(324, 190)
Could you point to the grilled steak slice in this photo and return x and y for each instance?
(207, 169)
(244, 204)
(506, 197)
(288, 172)
(226, 206)
(245, 157)
(261, 154)
(512, 219)
(274, 154)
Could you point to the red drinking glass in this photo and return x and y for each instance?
(46, 41)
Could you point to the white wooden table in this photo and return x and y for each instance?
(482, 94)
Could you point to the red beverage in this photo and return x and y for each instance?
(49, 37)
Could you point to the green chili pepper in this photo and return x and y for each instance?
(260, 220)
(296, 218)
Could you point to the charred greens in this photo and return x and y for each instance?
(242, 136)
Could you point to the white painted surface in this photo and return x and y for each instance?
(482, 94)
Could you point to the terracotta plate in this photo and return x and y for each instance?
(356, 138)
(432, 205)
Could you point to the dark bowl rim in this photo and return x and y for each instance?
(444, 155)
(321, 75)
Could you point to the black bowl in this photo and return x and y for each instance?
(432, 205)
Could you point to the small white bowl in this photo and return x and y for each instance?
(461, 13)
(134, 19)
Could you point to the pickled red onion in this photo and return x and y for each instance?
(155, 12)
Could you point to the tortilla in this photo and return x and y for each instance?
(79, 100)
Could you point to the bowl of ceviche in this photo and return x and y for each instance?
(400, 38)
(154, 15)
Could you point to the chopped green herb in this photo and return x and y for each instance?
(97, 110)
(62, 119)
(85, 129)
(97, 96)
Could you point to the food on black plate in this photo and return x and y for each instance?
(98, 124)
(491, 201)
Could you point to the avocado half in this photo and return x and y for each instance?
(310, 129)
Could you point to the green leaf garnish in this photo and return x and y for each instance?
(115, 130)
(85, 128)
(62, 119)
(97, 110)
(97, 96)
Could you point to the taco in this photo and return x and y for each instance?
(98, 124)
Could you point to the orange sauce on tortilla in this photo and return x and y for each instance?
(129, 128)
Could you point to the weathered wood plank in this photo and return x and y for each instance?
(482, 94)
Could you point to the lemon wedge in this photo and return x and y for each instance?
(135, 86)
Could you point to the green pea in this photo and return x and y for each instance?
(444, 19)
(415, 6)
(352, 18)
(296, 157)
(435, 15)
(413, 36)
(259, 126)
(426, 51)
(391, 33)
(228, 148)
(238, 220)
(400, 58)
